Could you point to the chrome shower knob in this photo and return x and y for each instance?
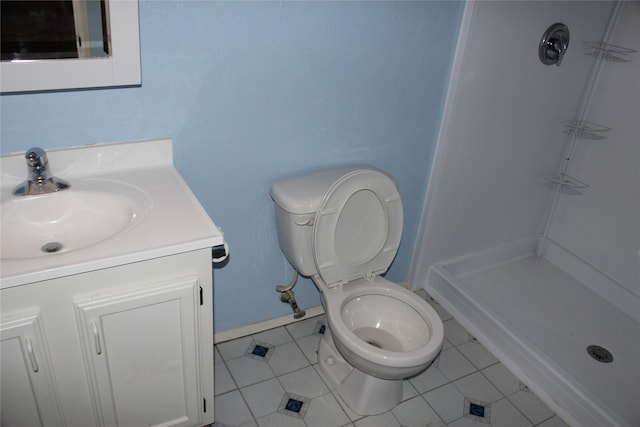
(554, 44)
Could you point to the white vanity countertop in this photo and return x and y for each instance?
(173, 222)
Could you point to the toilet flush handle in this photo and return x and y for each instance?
(308, 221)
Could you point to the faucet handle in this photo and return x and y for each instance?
(36, 157)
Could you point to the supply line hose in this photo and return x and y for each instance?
(282, 288)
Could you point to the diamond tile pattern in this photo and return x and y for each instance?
(272, 379)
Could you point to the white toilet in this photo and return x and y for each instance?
(343, 227)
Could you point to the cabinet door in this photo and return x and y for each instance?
(27, 386)
(141, 350)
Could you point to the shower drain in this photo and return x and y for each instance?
(600, 354)
(51, 247)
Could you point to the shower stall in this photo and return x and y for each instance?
(530, 233)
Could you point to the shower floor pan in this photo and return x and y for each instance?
(539, 321)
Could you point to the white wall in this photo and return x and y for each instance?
(502, 131)
(603, 226)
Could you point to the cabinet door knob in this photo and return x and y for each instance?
(32, 356)
(96, 338)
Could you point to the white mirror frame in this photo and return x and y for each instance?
(122, 68)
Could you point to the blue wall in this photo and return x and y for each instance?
(254, 92)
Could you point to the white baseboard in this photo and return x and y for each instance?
(253, 328)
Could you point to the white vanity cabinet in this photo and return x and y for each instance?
(28, 393)
(124, 346)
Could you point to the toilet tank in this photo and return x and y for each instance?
(297, 200)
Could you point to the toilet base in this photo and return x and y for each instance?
(363, 393)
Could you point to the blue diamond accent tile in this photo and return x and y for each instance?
(293, 405)
(477, 410)
(320, 328)
(259, 350)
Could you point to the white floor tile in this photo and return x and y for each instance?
(502, 378)
(416, 413)
(504, 414)
(246, 371)
(454, 365)
(234, 348)
(467, 422)
(324, 411)
(447, 401)
(383, 420)
(309, 346)
(477, 387)
(263, 398)
(531, 406)
(304, 328)
(251, 423)
(554, 421)
(446, 344)
(323, 377)
(444, 314)
(408, 390)
(477, 354)
(455, 333)
(280, 420)
(429, 379)
(231, 409)
(286, 358)
(352, 415)
(304, 382)
(222, 379)
(274, 336)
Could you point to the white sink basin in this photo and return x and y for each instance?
(49, 224)
(127, 203)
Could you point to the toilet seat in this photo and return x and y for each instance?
(348, 245)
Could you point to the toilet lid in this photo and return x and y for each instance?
(358, 227)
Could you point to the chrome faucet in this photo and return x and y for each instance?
(39, 181)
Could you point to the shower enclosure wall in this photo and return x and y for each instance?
(535, 263)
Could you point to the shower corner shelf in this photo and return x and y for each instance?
(566, 184)
(582, 129)
(608, 52)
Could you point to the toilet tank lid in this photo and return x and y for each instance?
(303, 194)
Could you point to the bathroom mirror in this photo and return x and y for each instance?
(100, 46)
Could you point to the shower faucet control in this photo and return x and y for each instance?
(554, 44)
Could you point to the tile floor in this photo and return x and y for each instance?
(272, 379)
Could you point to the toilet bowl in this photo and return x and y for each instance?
(378, 334)
(383, 329)
(342, 227)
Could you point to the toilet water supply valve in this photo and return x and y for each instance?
(286, 296)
